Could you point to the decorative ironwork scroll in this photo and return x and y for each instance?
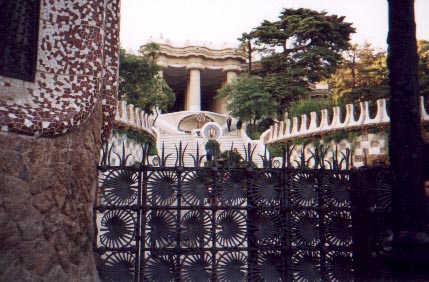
(216, 223)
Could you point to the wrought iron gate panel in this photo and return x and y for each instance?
(224, 224)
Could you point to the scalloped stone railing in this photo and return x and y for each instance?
(308, 126)
(134, 118)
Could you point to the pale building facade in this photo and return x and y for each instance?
(195, 73)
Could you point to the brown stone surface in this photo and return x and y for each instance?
(46, 197)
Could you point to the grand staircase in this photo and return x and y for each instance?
(171, 144)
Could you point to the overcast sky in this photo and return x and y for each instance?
(219, 21)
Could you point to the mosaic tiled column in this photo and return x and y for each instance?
(76, 67)
(47, 185)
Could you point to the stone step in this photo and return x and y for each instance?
(170, 142)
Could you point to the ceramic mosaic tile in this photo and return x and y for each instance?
(76, 66)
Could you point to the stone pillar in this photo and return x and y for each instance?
(47, 189)
(194, 89)
(231, 76)
(194, 94)
(220, 104)
(163, 66)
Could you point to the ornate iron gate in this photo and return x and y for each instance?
(221, 223)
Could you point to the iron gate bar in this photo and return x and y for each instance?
(243, 223)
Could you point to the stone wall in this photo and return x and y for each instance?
(47, 187)
(132, 148)
(365, 149)
(312, 125)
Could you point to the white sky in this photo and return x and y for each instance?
(219, 21)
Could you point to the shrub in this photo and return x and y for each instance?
(307, 106)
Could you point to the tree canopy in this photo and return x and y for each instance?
(302, 47)
(140, 83)
(362, 76)
(247, 99)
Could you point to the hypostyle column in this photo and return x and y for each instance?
(231, 72)
(163, 66)
(193, 93)
(231, 76)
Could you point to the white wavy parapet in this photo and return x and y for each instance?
(307, 126)
(133, 118)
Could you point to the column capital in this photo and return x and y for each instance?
(195, 66)
(162, 64)
(233, 68)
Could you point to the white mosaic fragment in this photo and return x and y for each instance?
(5, 128)
(28, 123)
(45, 124)
(12, 115)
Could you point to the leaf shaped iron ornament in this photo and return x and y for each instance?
(119, 187)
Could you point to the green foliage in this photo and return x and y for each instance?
(302, 141)
(373, 130)
(213, 145)
(284, 81)
(362, 76)
(276, 150)
(306, 106)
(316, 142)
(140, 83)
(139, 138)
(335, 136)
(247, 99)
(252, 132)
(264, 124)
(302, 47)
(233, 157)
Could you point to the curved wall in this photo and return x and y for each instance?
(47, 185)
(76, 67)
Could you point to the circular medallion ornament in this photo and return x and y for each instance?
(212, 131)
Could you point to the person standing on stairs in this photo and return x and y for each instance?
(239, 125)
(228, 123)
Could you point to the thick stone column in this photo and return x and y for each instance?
(231, 76)
(193, 94)
(47, 189)
(163, 66)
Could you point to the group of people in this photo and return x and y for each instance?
(238, 125)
